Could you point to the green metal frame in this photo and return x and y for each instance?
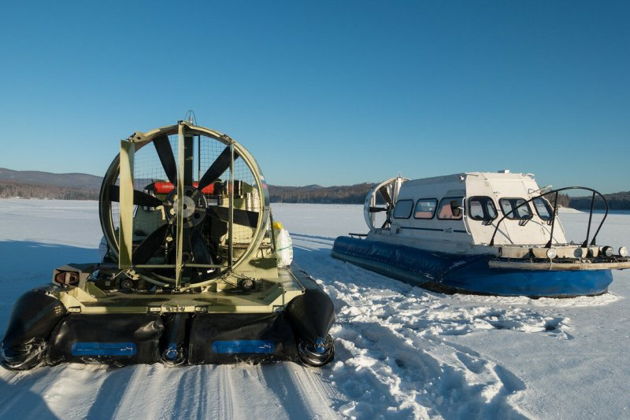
(122, 246)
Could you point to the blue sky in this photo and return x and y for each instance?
(323, 92)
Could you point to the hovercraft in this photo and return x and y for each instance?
(480, 233)
(191, 273)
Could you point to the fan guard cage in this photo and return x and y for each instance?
(207, 148)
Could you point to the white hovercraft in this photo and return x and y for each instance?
(481, 233)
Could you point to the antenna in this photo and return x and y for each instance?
(190, 117)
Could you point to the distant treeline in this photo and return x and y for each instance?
(52, 192)
(349, 194)
(616, 201)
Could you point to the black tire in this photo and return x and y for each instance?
(310, 355)
(173, 356)
(26, 358)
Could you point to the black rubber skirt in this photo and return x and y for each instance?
(42, 332)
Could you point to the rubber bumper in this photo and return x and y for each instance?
(41, 331)
(230, 338)
(117, 339)
(34, 317)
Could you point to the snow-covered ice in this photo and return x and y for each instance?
(402, 352)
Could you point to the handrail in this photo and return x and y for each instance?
(555, 211)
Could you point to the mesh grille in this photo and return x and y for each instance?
(148, 169)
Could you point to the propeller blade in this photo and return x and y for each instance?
(200, 249)
(150, 245)
(241, 217)
(220, 165)
(139, 198)
(377, 209)
(385, 195)
(165, 153)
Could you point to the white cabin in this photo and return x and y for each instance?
(459, 213)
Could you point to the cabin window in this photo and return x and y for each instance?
(481, 208)
(543, 208)
(403, 208)
(450, 208)
(425, 208)
(513, 208)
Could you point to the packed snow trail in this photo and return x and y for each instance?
(402, 352)
(278, 391)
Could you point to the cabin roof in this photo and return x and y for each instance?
(500, 175)
(460, 177)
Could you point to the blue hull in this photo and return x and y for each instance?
(451, 273)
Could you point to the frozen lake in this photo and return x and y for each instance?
(402, 352)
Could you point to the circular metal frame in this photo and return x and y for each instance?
(141, 140)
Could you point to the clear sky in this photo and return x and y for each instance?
(327, 92)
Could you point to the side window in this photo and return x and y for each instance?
(481, 208)
(403, 208)
(511, 209)
(450, 208)
(425, 208)
(543, 208)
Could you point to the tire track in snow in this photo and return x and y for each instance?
(301, 391)
(315, 392)
(200, 392)
(150, 392)
(278, 390)
(45, 392)
(122, 393)
(244, 391)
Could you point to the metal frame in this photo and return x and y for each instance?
(122, 167)
(511, 211)
(388, 190)
(552, 221)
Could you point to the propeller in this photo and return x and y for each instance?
(200, 249)
(390, 205)
(386, 196)
(150, 245)
(192, 237)
(139, 198)
(165, 153)
(219, 166)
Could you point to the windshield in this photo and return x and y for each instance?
(543, 208)
(513, 208)
(481, 208)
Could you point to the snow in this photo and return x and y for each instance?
(568, 210)
(402, 352)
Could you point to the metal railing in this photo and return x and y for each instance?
(552, 220)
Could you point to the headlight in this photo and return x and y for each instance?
(551, 253)
(580, 252)
(607, 251)
(65, 278)
(623, 251)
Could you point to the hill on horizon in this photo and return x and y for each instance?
(80, 186)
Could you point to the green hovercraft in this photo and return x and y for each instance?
(191, 271)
